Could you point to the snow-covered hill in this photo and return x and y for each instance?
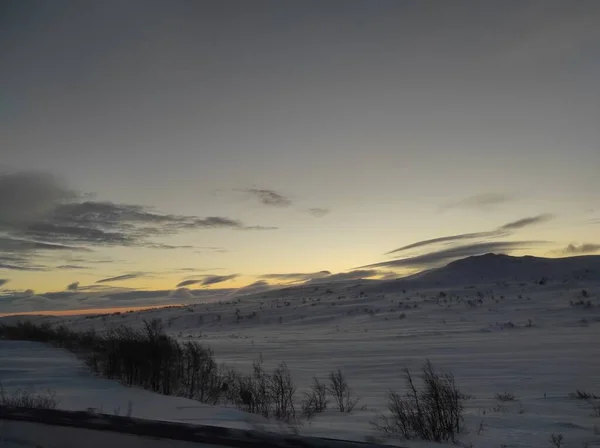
(489, 320)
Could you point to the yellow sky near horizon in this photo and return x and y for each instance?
(249, 272)
(213, 141)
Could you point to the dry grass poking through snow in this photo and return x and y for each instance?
(28, 399)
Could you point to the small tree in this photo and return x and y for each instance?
(283, 389)
(315, 401)
(340, 390)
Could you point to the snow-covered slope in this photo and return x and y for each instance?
(35, 366)
(492, 268)
(505, 332)
(496, 268)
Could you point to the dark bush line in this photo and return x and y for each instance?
(153, 360)
(147, 358)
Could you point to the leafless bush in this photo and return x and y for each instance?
(500, 408)
(432, 412)
(342, 393)
(314, 401)
(129, 412)
(505, 396)
(583, 395)
(480, 428)
(264, 393)
(556, 440)
(283, 389)
(28, 399)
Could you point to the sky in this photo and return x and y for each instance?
(187, 145)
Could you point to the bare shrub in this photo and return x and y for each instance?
(28, 399)
(282, 390)
(129, 412)
(315, 401)
(480, 428)
(500, 408)
(342, 393)
(556, 440)
(202, 379)
(505, 396)
(432, 412)
(583, 395)
(264, 393)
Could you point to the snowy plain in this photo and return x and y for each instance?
(498, 329)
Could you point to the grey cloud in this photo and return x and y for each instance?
(345, 276)
(501, 231)
(21, 245)
(259, 228)
(135, 295)
(38, 213)
(390, 275)
(80, 234)
(167, 246)
(4, 281)
(269, 197)
(527, 222)
(18, 262)
(26, 197)
(258, 283)
(188, 283)
(296, 276)
(120, 278)
(181, 293)
(481, 201)
(102, 288)
(253, 288)
(445, 239)
(433, 259)
(217, 222)
(73, 286)
(59, 294)
(197, 270)
(205, 280)
(77, 259)
(214, 222)
(586, 248)
(319, 212)
(20, 267)
(212, 249)
(214, 279)
(71, 267)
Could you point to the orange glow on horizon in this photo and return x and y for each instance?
(82, 312)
